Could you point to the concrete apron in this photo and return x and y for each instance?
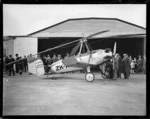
(71, 94)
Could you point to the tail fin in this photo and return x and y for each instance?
(36, 67)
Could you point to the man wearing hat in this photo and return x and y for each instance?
(126, 66)
(119, 60)
(115, 67)
(17, 64)
(11, 66)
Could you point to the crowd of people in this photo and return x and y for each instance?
(126, 65)
(117, 65)
(20, 64)
(47, 60)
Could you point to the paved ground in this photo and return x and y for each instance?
(33, 95)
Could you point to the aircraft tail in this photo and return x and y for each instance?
(36, 67)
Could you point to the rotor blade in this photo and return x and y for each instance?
(88, 37)
(129, 35)
(115, 46)
(47, 50)
(15, 61)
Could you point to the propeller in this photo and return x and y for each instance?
(114, 50)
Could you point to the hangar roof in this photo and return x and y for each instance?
(87, 26)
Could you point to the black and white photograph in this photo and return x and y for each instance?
(74, 59)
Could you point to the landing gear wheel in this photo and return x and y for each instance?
(89, 77)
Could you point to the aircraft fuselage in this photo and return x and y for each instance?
(97, 57)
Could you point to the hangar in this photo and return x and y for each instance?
(130, 38)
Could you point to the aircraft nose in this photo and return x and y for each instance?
(108, 55)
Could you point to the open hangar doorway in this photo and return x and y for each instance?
(46, 43)
(133, 46)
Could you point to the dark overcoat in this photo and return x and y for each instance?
(126, 66)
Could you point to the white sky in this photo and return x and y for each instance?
(25, 19)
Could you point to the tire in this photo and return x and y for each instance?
(89, 77)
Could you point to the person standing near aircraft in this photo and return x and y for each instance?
(135, 69)
(49, 60)
(44, 62)
(144, 64)
(25, 64)
(115, 67)
(54, 58)
(59, 57)
(140, 64)
(67, 55)
(38, 57)
(6, 62)
(126, 66)
(109, 69)
(130, 59)
(30, 58)
(11, 66)
(119, 60)
(17, 65)
(132, 67)
(20, 66)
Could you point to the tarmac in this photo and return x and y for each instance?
(71, 94)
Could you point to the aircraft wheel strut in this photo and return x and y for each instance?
(89, 77)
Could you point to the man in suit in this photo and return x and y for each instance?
(126, 66)
(17, 64)
(115, 67)
(140, 64)
(144, 64)
(20, 66)
(11, 66)
(119, 60)
(25, 64)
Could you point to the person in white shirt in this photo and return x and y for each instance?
(132, 67)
